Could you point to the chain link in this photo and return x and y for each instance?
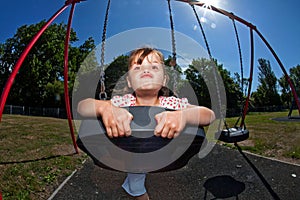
(103, 94)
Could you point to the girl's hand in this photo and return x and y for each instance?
(116, 121)
(169, 124)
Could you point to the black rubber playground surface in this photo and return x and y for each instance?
(288, 119)
(223, 174)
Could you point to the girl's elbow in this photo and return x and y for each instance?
(212, 116)
(83, 107)
(80, 108)
(206, 116)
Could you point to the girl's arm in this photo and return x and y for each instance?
(198, 115)
(171, 123)
(115, 119)
(92, 107)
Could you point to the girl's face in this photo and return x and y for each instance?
(147, 76)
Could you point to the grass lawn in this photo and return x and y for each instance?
(37, 152)
(272, 138)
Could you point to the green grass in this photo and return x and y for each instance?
(36, 155)
(37, 152)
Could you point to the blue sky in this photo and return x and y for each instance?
(276, 20)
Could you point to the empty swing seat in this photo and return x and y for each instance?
(233, 135)
(142, 151)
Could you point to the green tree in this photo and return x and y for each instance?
(286, 94)
(200, 73)
(115, 76)
(295, 76)
(174, 72)
(4, 69)
(196, 76)
(266, 94)
(43, 68)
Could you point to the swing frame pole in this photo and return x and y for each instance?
(26, 51)
(252, 27)
(245, 109)
(66, 79)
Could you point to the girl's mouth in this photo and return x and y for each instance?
(146, 76)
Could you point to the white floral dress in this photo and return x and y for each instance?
(165, 102)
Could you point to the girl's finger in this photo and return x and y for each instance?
(176, 134)
(120, 129)
(171, 133)
(109, 132)
(127, 129)
(115, 132)
(160, 124)
(126, 124)
(165, 131)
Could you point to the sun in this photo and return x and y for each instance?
(209, 3)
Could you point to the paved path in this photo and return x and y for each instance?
(224, 173)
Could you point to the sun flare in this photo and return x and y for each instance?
(209, 3)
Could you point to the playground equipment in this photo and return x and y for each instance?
(229, 134)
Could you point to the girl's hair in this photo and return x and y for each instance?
(143, 53)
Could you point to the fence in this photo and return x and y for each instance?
(61, 112)
(269, 108)
(35, 111)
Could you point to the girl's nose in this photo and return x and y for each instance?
(146, 68)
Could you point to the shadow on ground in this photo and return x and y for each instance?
(35, 160)
(224, 173)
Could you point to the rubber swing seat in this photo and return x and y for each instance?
(233, 135)
(106, 152)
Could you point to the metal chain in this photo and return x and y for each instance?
(202, 31)
(240, 54)
(241, 64)
(214, 68)
(103, 94)
(173, 62)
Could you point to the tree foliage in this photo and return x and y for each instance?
(286, 93)
(266, 94)
(200, 74)
(115, 76)
(39, 80)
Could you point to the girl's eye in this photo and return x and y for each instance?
(154, 67)
(137, 68)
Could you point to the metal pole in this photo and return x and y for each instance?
(18, 64)
(245, 109)
(67, 99)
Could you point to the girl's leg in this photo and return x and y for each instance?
(134, 185)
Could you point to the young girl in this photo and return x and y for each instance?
(147, 78)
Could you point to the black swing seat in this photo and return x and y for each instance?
(233, 135)
(148, 152)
